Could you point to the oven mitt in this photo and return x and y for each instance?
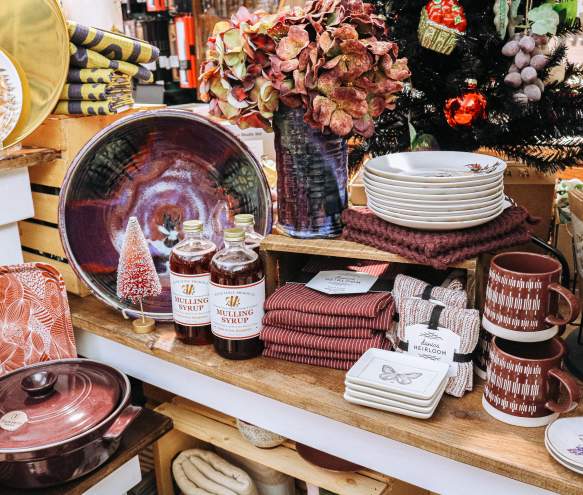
(200, 472)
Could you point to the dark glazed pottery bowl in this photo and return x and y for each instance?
(163, 167)
(60, 420)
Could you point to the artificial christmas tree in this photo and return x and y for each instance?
(532, 115)
(136, 273)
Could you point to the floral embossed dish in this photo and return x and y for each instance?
(35, 322)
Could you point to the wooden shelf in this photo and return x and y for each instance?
(14, 158)
(196, 422)
(341, 249)
(460, 429)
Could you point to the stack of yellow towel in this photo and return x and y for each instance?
(102, 65)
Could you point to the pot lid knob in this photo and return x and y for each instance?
(40, 384)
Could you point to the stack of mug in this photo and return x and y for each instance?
(524, 371)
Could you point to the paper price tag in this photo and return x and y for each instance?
(437, 345)
(342, 282)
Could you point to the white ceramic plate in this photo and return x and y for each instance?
(429, 189)
(435, 166)
(429, 225)
(377, 405)
(437, 217)
(421, 211)
(431, 197)
(565, 436)
(402, 404)
(554, 454)
(11, 97)
(517, 336)
(454, 183)
(398, 373)
(377, 394)
(437, 205)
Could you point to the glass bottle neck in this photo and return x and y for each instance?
(247, 228)
(193, 235)
(234, 244)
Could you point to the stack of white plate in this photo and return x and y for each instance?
(564, 441)
(435, 190)
(396, 382)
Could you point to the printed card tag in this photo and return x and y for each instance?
(342, 282)
(437, 345)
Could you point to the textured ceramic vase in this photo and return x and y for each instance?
(311, 177)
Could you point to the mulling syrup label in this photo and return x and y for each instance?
(190, 298)
(237, 310)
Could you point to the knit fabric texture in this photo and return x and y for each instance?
(437, 249)
(406, 287)
(463, 322)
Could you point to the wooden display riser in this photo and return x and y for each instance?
(283, 256)
(196, 426)
(474, 451)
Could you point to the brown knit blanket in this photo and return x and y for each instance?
(438, 249)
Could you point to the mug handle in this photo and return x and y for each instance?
(571, 301)
(572, 391)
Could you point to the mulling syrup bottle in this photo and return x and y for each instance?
(246, 221)
(237, 294)
(189, 281)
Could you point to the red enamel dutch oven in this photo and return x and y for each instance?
(59, 420)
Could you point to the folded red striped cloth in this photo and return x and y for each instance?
(305, 351)
(298, 297)
(352, 326)
(339, 364)
(275, 335)
(438, 249)
(343, 333)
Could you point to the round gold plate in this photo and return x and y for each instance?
(34, 34)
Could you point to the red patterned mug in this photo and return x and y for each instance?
(524, 381)
(523, 295)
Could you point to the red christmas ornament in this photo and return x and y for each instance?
(466, 109)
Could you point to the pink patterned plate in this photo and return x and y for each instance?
(35, 322)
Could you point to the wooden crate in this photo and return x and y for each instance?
(65, 135)
(198, 426)
(284, 256)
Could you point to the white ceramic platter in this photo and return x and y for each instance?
(398, 373)
(565, 436)
(435, 166)
(437, 205)
(461, 182)
(11, 97)
(420, 195)
(518, 336)
(377, 394)
(430, 225)
(402, 404)
(377, 405)
(561, 460)
(429, 189)
(437, 217)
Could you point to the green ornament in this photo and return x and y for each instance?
(501, 11)
(544, 20)
(567, 9)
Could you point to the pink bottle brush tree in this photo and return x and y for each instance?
(136, 274)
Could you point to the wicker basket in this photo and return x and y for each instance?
(436, 37)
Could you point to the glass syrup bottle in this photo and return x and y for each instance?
(189, 282)
(246, 222)
(237, 294)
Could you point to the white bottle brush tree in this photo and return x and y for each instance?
(136, 274)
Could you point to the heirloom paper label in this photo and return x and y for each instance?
(190, 298)
(13, 420)
(237, 311)
(342, 282)
(437, 345)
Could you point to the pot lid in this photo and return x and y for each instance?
(52, 402)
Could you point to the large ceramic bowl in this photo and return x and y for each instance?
(163, 167)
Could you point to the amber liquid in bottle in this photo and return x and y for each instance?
(237, 298)
(190, 275)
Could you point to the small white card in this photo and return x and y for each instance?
(437, 345)
(342, 282)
